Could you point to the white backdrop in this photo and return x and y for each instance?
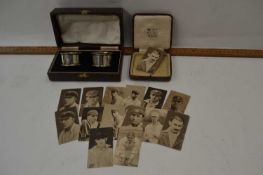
(199, 23)
(224, 134)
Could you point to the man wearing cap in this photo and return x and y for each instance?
(101, 154)
(128, 150)
(70, 130)
(91, 99)
(89, 120)
(176, 102)
(153, 130)
(154, 100)
(70, 101)
(172, 136)
(116, 99)
(132, 99)
(135, 114)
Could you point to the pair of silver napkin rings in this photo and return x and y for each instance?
(99, 59)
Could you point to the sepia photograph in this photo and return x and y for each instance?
(69, 99)
(133, 120)
(176, 101)
(67, 126)
(127, 152)
(100, 153)
(92, 97)
(154, 98)
(113, 116)
(90, 119)
(114, 96)
(133, 95)
(153, 125)
(151, 60)
(174, 129)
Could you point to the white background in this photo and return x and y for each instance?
(224, 135)
(198, 23)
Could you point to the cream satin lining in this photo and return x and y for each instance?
(95, 29)
(152, 31)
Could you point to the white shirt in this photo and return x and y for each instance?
(70, 134)
(152, 132)
(127, 150)
(129, 101)
(150, 104)
(100, 157)
(86, 105)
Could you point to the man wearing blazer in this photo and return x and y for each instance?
(173, 136)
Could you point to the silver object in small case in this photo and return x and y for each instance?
(101, 59)
(70, 58)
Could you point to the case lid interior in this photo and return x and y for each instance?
(72, 29)
(153, 30)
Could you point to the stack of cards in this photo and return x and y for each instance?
(126, 114)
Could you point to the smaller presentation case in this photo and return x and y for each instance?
(152, 30)
(84, 31)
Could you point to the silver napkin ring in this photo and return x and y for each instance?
(101, 59)
(70, 58)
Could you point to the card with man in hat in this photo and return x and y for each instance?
(69, 99)
(67, 126)
(90, 119)
(176, 101)
(114, 96)
(154, 98)
(133, 95)
(92, 97)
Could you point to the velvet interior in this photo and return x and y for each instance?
(85, 58)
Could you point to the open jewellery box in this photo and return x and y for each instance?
(152, 31)
(90, 42)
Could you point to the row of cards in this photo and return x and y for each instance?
(127, 114)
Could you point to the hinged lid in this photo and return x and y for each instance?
(152, 30)
(89, 27)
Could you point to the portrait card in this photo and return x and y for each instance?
(151, 60)
(69, 99)
(127, 152)
(174, 129)
(114, 96)
(153, 124)
(154, 98)
(133, 95)
(113, 116)
(67, 126)
(90, 119)
(100, 153)
(92, 97)
(164, 70)
(134, 117)
(176, 101)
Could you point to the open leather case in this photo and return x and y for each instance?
(151, 31)
(82, 35)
